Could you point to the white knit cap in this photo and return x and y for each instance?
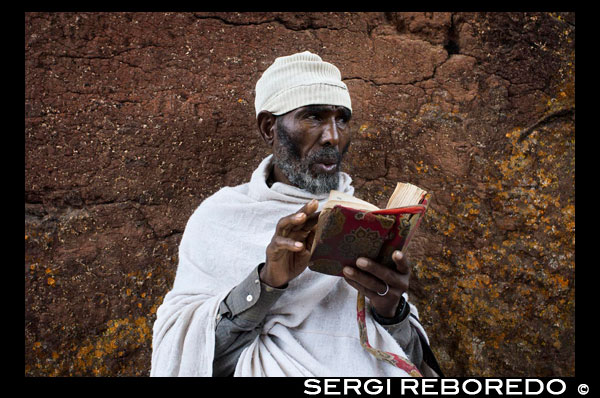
(299, 80)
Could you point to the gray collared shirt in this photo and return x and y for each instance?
(242, 314)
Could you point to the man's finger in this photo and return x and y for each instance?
(358, 286)
(287, 223)
(377, 270)
(282, 243)
(372, 291)
(374, 281)
(310, 207)
(309, 224)
(401, 261)
(296, 221)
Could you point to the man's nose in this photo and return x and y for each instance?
(330, 134)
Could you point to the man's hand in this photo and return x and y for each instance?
(370, 277)
(289, 250)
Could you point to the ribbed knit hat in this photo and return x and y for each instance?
(299, 80)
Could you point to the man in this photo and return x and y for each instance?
(244, 302)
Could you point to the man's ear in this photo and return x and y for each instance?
(266, 126)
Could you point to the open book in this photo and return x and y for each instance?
(349, 228)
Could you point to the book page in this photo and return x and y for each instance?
(405, 194)
(343, 199)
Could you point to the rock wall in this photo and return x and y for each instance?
(132, 119)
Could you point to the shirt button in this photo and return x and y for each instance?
(249, 298)
(256, 281)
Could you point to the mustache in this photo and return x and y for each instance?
(328, 155)
(325, 155)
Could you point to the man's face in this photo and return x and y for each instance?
(309, 145)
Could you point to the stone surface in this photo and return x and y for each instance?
(132, 119)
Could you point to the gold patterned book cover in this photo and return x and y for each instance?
(349, 228)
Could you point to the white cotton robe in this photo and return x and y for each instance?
(310, 331)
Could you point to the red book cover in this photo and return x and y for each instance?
(346, 234)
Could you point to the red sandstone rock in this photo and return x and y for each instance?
(132, 119)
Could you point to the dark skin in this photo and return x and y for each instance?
(312, 128)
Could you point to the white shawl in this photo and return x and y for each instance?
(310, 331)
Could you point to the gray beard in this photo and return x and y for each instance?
(297, 170)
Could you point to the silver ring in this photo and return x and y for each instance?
(387, 289)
